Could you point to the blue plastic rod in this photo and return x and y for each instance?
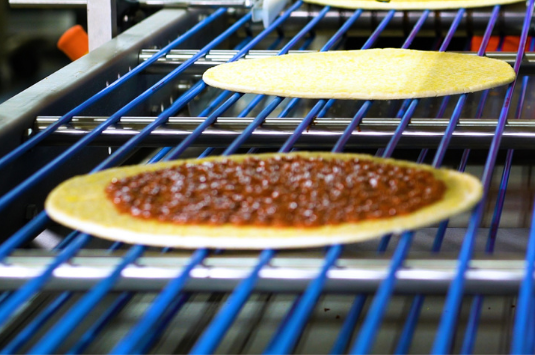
(399, 130)
(168, 316)
(282, 325)
(322, 106)
(479, 114)
(472, 325)
(292, 104)
(455, 292)
(408, 330)
(368, 332)
(23, 294)
(46, 313)
(352, 317)
(158, 306)
(119, 303)
(357, 119)
(254, 102)
(491, 239)
(107, 162)
(306, 44)
(287, 339)
(30, 230)
(530, 341)
(212, 118)
(103, 320)
(218, 327)
(443, 106)
(225, 94)
(220, 324)
(14, 193)
(524, 306)
(40, 221)
(368, 44)
(53, 338)
(34, 140)
(340, 144)
(4, 296)
(277, 100)
(477, 303)
(307, 120)
(347, 328)
(29, 331)
(214, 333)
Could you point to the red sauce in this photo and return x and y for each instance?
(279, 191)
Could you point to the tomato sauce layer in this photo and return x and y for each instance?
(291, 191)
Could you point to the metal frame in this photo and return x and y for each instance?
(285, 273)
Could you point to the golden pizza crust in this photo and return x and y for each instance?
(374, 74)
(81, 203)
(410, 4)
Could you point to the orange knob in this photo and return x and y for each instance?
(510, 43)
(74, 42)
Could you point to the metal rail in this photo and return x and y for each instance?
(217, 57)
(500, 275)
(372, 132)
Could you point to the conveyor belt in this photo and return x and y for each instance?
(372, 275)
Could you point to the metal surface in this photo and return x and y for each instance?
(101, 22)
(322, 132)
(288, 272)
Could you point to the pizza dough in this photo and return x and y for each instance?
(376, 74)
(410, 4)
(81, 203)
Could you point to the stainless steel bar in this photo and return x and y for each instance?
(372, 132)
(217, 57)
(489, 275)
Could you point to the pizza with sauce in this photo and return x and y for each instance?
(261, 201)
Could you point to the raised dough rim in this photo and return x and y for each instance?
(467, 191)
(345, 96)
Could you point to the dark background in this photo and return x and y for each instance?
(28, 39)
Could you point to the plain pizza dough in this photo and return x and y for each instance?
(81, 203)
(410, 4)
(363, 74)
